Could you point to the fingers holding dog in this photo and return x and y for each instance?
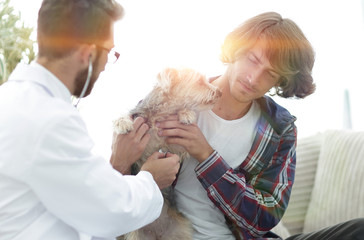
(163, 167)
(128, 148)
(188, 136)
(139, 136)
(140, 129)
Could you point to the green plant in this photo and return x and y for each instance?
(2, 70)
(15, 42)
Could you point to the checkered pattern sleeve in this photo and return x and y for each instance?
(254, 196)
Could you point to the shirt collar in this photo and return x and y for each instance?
(38, 74)
(277, 116)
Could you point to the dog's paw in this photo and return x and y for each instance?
(123, 125)
(186, 116)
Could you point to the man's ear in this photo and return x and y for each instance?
(85, 52)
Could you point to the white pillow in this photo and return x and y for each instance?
(307, 155)
(281, 230)
(338, 193)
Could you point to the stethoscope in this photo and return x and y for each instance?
(89, 73)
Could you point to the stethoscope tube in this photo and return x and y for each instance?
(88, 79)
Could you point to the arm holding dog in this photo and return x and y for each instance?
(188, 136)
(128, 148)
(213, 170)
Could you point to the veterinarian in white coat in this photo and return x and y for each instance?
(51, 185)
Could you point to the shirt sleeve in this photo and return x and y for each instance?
(82, 189)
(255, 202)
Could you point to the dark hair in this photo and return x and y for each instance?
(63, 24)
(286, 47)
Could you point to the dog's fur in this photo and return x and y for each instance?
(178, 91)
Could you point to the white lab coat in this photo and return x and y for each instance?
(51, 185)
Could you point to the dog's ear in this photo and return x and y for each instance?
(166, 78)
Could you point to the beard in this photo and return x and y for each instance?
(81, 78)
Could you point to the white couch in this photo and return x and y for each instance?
(329, 182)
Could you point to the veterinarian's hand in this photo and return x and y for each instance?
(163, 167)
(128, 148)
(188, 136)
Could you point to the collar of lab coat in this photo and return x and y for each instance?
(36, 73)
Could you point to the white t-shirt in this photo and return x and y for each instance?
(233, 140)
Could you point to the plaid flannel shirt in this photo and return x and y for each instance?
(255, 195)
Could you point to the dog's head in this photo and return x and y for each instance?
(188, 87)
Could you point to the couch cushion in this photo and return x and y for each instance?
(338, 193)
(307, 154)
(281, 230)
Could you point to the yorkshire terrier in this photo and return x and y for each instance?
(183, 92)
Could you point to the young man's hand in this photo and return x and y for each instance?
(188, 136)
